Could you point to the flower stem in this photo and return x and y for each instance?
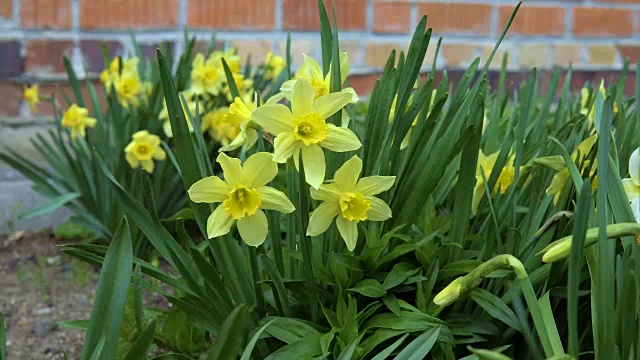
(305, 241)
(255, 273)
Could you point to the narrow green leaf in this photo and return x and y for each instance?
(370, 288)
(420, 347)
(246, 354)
(495, 307)
(386, 352)
(140, 348)
(51, 206)
(231, 336)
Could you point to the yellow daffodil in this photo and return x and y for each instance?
(128, 87)
(560, 179)
(117, 67)
(244, 85)
(244, 195)
(31, 95)
(632, 184)
(584, 102)
(304, 129)
(191, 106)
(223, 126)
(143, 149)
(77, 119)
(349, 201)
(206, 75)
(392, 114)
(248, 134)
(486, 164)
(273, 66)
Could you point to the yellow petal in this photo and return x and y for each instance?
(340, 139)
(273, 199)
(344, 66)
(253, 229)
(132, 160)
(231, 168)
(347, 176)
(302, 98)
(166, 127)
(373, 185)
(259, 169)
(209, 190)
(326, 192)
(159, 154)
(327, 105)
(274, 118)
(147, 165)
(349, 232)
(631, 188)
(314, 165)
(285, 92)
(558, 184)
(284, 147)
(313, 67)
(478, 193)
(379, 211)
(219, 222)
(322, 217)
(634, 166)
(352, 92)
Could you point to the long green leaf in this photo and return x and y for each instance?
(231, 336)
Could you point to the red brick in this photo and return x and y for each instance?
(6, 9)
(93, 55)
(457, 17)
(533, 20)
(392, 17)
(602, 22)
(629, 51)
(304, 14)
(235, 14)
(123, 14)
(47, 56)
(363, 84)
(45, 14)
(11, 95)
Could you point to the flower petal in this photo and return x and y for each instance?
(314, 165)
(273, 199)
(209, 190)
(259, 169)
(352, 92)
(231, 168)
(373, 185)
(478, 193)
(326, 192)
(322, 217)
(313, 67)
(634, 166)
(284, 147)
(302, 98)
(635, 206)
(327, 105)
(274, 118)
(132, 160)
(344, 66)
(379, 211)
(253, 229)
(219, 222)
(631, 188)
(349, 232)
(159, 154)
(340, 139)
(147, 165)
(347, 176)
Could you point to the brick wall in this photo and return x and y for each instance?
(590, 34)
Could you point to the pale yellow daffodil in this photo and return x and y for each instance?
(128, 87)
(189, 108)
(206, 75)
(31, 95)
(117, 67)
(486, 165)
(223, 127)
(244, 195)
(349, 200)
(248, 133)
(273, 66)
(584, 102)
(303, 129)
(632, 184)
(77, 119)
(143, 149)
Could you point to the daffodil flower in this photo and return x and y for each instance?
(584, 102)
(244, 195)
(486, 164)
(128, 88)
(304, 129)
(77, 119)
(273, 66)
(190, 105)
(248, 134)
(632, 184)
(143, 149)
(206, 77)
(32, 96)
(119, 66)
(560, 179)
(349, 200)
(223, 127)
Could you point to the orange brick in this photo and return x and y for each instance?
(45, 14)
(6, 9)
(392, 17)
(567, 54)
(629, 51)
(123, 14)
(363, 84)
(457, 17)
(602, 22)
(459, 55)
(304, 15)
(533, 20)
(235, 14)
(45, 56)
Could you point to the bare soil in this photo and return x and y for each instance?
(40, 286)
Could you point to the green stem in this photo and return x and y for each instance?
(257, 287)
(305, 241)
(291, 218)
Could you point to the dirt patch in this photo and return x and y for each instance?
(40, 286)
